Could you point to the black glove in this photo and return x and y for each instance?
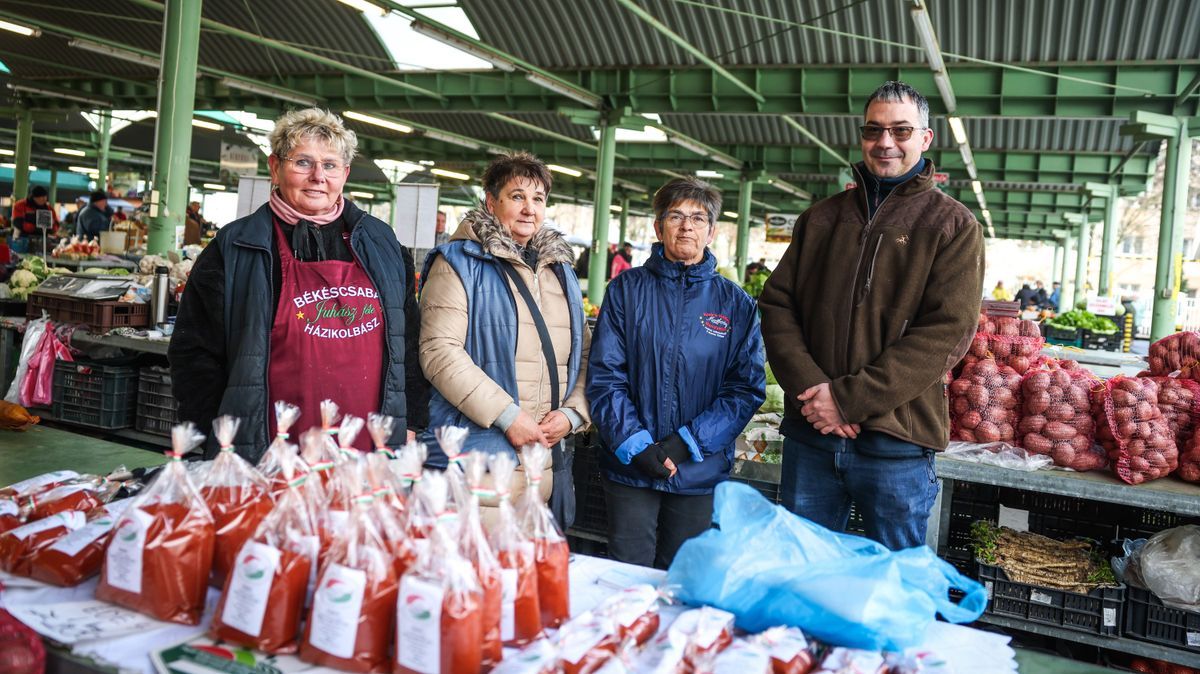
(676, 448)
(652, 461)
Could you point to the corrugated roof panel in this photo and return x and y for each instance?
(483, 127)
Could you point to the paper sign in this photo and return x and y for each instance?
(1014, 518)
(1039, 597)
(72, 622)
(1110, 617)
(779, 226)
(1101, 306)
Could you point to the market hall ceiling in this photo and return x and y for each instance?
(1043, 86)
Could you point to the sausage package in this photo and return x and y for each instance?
(161, 551)
(586, 642)
(474, 545)
(520, 615)
(1131, 428)
(77, 555)
(634, 611)
(263, 597)
(984, 403)
(237, 495)
(789, 650)
(280, 452)
(744, 656)
(550, 546)
(1056, 418)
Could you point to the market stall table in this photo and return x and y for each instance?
(91, 264)
(42, 450)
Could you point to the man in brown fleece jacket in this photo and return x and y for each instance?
(876, 298)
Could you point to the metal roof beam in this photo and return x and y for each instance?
(816, 141)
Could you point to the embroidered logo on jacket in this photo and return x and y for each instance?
(717, 325)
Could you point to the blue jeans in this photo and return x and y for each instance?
(894, 495)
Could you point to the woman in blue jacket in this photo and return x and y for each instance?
(674, 375)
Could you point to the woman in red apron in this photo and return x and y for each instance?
(308, 298)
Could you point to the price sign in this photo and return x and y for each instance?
(1102, 306)
(44, 219)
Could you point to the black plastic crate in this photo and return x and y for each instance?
(157, 409)
(1110, 342)
(1098, 612)
(1143, 523)
(94, 394)
(1147, 619)
(591, 509)
(1063, 336)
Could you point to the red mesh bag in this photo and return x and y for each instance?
(1189, 460)
(984, 403)
(1175, 352)
(1179, 401)
(1131, 428)
(237, 495)
(1056, 416)
(21, 649)
(1010, 341)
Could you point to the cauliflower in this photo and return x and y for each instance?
(23, 278)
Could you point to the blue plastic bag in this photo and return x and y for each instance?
(769, 567)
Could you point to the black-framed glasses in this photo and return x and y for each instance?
(899, 133)
(307, 165)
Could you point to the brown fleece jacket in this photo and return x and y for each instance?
(880, 309)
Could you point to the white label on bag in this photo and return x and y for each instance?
(72, 520)
(1041, 598)
(123, 559)
(1193, 639)
(8, 507)
(1110, 617)
(337, 606)
(73, 543)
(337, 521)
(33, 483)
(630, 604)
(63, 492)
(249, 588)
(419, 625)
(508, 598)
(579, 636)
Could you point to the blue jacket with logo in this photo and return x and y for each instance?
(676, 349)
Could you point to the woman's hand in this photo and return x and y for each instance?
(555, 426)
(525, 431)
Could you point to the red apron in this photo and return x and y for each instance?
(327, 340)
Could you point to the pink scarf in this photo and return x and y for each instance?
(284, 211)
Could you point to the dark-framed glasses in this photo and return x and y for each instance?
(874, 132)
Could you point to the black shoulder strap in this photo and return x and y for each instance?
(543, 331)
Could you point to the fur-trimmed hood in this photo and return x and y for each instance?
(481, 226)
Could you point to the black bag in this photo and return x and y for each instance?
(562, 494)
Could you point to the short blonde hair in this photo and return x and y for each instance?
(297, 126)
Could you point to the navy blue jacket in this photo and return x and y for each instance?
(676, 349)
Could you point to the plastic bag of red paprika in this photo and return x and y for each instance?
(160, 554)
(323, 456)
(76, 556)
(237, 496)
(280, 452)
(549, 544)
(18, 546)
(520, 614)
(474, 545)
(350, 624)
(439, 611)
(263, 597)
(81, 494)
(388, 506)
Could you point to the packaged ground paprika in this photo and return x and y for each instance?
(82, 494)
(9, 515)
(323, 456)
(263, 598)
(18, 546)
(550, 546)
(237, 495)
(520, 614)
(270, 465)
(475, 547)
(77, 556)
(160, 554)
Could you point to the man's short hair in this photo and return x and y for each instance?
(505, 167)
(894, 91)
(687, 188)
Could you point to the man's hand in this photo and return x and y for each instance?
(555, 425)
(820, 411)
(525, 431)
(411, 436)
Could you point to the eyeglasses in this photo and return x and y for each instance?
(307, 165)
(676, 219)
(899, 133)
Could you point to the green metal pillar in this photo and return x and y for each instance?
(173, 132)
(742, 254)
(624, 227)
(22, 154)
(1108, 246)
(53, 189)
(604, 185)
(1081, 262)
(102, 155)
(1170, 232)
(1066, 300)
(1055, 271)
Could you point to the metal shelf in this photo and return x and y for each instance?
(1119, 644)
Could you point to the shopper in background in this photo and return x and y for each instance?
(307, 298)
(95, 218)
(1039, 295)
(1000, 293)
(1055, 295)
(24, 217)
(194, 225)
(675, 373)
(623, 260)
(440, 236)
(876, 298)
(482, 348)
(1026, 297)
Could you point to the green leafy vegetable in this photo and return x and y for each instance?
(1081, 318)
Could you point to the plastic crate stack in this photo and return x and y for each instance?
(157, 409)
(94, 394)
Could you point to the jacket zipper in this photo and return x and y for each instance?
(387, 342)
(858, 266)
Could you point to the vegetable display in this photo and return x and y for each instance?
(984, 403)
(1074, 566)
(1131, 428)
(1056, 416)
(1179, 351)
(1081, 318)
(1189, 460)
(1179, 401)
(1010, 341)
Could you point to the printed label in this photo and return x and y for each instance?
(1110, 617)
(632, 603)
(338, 520)
(579, 636)
(337, 605)
(419, 625)
(1193, 639)
(249, 587)
(73, 543)
(712, 622)
(988, 585)
(33, 483)
(341, 312)
(508, 598)
(71, 520)
(8, 507)
(123, 559)
(1041, 597)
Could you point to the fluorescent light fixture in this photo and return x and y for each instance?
(273, 92)
(18, 28)
(968, 159)
(928, 39)
(449, 174)
(789, 188)
(705, 173)
(211, 126)
(14, 167)
(987, 215)
(90, 170)
(694, 146)
(615, 208)
(6, 153)
(453, 139)
(730, 214)
(368, 119)
(958, 129)
(976, 187)
(71, 152)
(426, 162)
(363, 195)
(79, 98)
(942, 80)
(574, 173)
(570, 91)
(431, 31)
(115, 52)
(365, 7)
(217, 187)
